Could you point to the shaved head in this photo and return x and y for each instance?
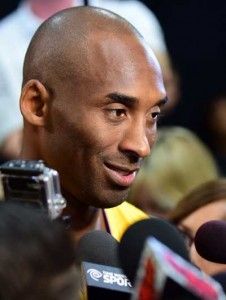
(66, 37)
(92, 92)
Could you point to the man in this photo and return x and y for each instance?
(92, 92)
(18, 29)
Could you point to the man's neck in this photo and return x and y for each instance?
(84, 219)
(43, 9)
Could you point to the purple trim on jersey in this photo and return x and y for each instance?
(106, 222)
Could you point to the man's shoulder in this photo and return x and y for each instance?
(123, 216)
(129, 210)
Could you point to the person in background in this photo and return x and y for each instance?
(216, 127)
(92, 93)
(204, 203)
(37, 256)
(179, 162)
(16, 31)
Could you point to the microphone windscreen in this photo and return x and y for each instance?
(102, 277)
(132, 242)
(98, 247)
(210, 241)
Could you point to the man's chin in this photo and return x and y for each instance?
(113, 201)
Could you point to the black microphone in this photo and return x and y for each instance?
(99, 247)
(102, 275)
(132, 242)
(155, 258)
(210, 241)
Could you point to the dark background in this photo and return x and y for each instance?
(195, 33)
(6, 6)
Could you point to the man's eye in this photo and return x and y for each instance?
(155, 115)
(117, 112)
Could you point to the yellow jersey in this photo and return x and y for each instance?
(119, 218)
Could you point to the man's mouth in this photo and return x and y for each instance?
(121, 175)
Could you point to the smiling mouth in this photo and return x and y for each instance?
(121, 175)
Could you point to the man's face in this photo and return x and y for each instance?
(102, 128)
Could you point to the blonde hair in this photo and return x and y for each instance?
(178, 163)
(204, 194)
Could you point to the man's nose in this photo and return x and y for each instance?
(138, 140)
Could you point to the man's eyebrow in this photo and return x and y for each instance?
(129, 100)
(121, 98)
(162, 101)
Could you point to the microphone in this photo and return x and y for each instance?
(98, 247)
(133, 240)
(155, 258)
(102, 276)
(164, 275)
(210, 241)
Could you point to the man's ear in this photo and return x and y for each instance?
(34, 102)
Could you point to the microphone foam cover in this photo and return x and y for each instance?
(132, 242)
(98, 247)
(210, 241)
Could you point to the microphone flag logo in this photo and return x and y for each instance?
(158, 263)
(106, 277)
(94, 274)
